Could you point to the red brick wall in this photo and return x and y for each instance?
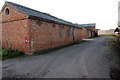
(84, 33)
(78, 34)
(14, 29)
(13, 35)
(14, 14)
(45, 35)
(87, 33)
(92, 28)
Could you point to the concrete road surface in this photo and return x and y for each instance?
(84, 60)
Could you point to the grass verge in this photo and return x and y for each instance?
(115, 46)
(115, 58)
(108, 35)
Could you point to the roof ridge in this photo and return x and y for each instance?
(24, 6)
(39, 14)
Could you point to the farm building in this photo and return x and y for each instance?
(85, 33)
(89, 26)
(30, 31)
(88, 30)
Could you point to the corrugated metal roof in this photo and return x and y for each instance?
(39, 14)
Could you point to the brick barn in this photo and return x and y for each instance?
(31, 31)
(89, 26)
(88, 30)
(85, 33)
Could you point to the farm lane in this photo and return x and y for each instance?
(84, 60)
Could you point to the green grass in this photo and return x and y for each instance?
(115, 57)
(9, 53)
(109, 35)
(115, 46)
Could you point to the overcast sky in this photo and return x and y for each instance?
(102, 12)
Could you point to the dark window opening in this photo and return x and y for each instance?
(7, 11)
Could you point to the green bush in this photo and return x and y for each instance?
(9, 53)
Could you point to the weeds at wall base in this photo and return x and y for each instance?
(9, 53)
